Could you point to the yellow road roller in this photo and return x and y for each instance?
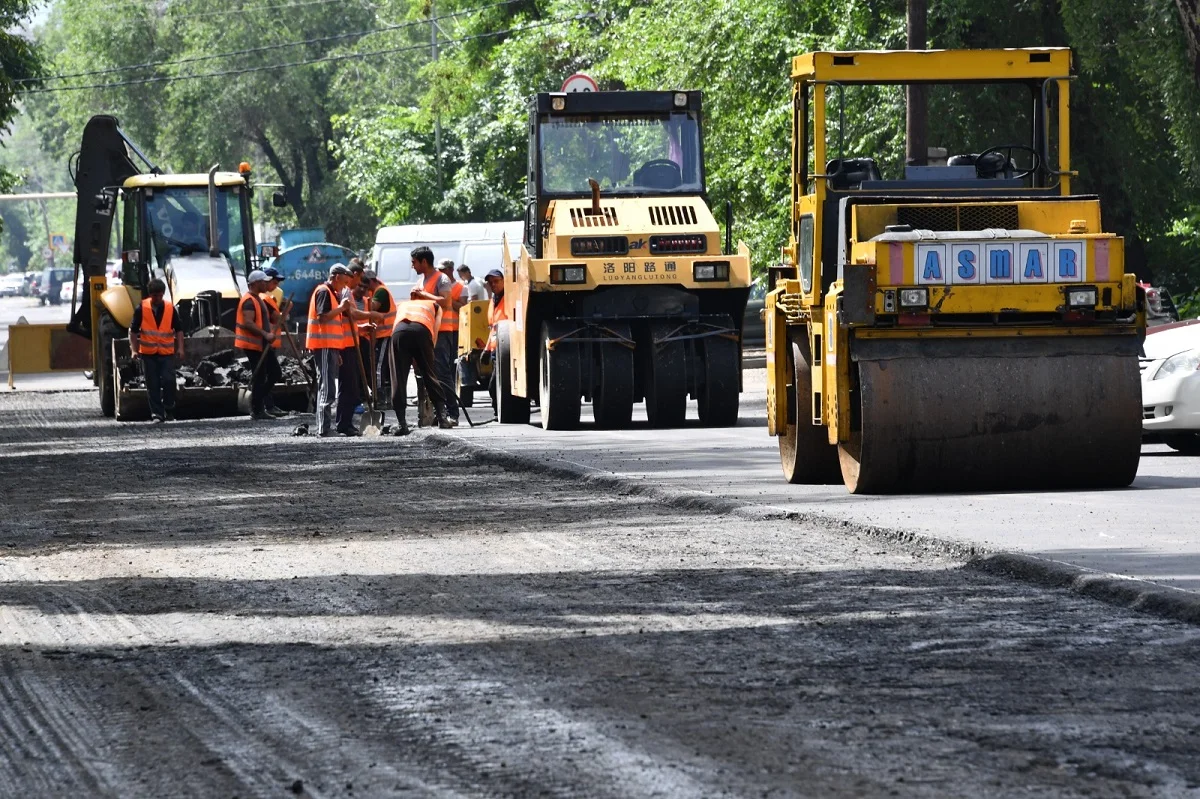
(964, 323)
(621, 289)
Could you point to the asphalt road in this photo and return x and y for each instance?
(216, 609)
(1150, 531)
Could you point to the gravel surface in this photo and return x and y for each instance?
(217, 609)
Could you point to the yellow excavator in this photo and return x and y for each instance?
(966, 323)
(621, 289)
(195, 232)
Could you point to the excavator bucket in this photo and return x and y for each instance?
(994, 414)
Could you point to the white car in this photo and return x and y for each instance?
(1171, 385)
(10, 285)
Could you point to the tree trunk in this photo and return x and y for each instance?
(1189, 15)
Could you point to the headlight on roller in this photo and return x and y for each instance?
(709, 271)
(568, 273)
(1084, 297)
(914, 298)
(1179, 365)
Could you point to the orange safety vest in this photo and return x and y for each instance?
(156, 338)
(449, 320)
(496, 314)
(243, 337)
(389, 316)
(334, 335)
(422, 312)
(270, 300)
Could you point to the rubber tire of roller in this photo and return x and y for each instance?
(108, 392)
(1185, 443)
(612, 400)
(664, 378)
(804, 449)
(466, 396)
(559, 389)
(718, 400)
(510, 409)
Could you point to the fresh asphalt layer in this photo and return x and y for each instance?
(1138, 546)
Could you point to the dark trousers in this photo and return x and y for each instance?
(347, 398)
(274, 374)
(160, 384)
(364, 347)
(383, 375)
(444, 353)
(412, 345)
(262, 377)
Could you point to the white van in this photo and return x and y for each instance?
(476, 244)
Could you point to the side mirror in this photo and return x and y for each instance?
(278, 200)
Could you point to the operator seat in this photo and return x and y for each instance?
(994, 166)
(658, 174)
(846, 174)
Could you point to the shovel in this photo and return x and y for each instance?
(371, 422)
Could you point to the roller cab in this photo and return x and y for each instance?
(965, 323)
(621, 289)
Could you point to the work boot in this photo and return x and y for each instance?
(445, 424)
(261, 416)
(401, 430)
(278, 413)
(453, 420)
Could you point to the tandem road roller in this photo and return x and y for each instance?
(621, 289)
(961, 324)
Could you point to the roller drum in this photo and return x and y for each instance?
(966, 414)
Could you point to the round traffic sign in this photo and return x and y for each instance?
(580, 82)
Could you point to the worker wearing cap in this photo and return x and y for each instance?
(155, 338)
(412, 344)
(278, 310)
(381, 301)
(433, 285)
(253, 336)
(330, 338)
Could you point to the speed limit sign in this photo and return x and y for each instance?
(580, 82)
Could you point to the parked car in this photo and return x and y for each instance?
(10, 285)
(1171, 385)
(50, 286)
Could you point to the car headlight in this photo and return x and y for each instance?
(1179, 365)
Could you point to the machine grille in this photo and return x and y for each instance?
(606, 218)
(672, 215)
(958, 217)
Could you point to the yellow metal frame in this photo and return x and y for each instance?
(221, 179)
(816, 314)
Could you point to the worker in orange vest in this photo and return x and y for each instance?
(413, 340)
(330, 339)
(497, 313)
(278, 310)
(155, 339)
(253, 336)
(382, 301)
(434, 286)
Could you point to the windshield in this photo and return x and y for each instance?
(178, 223)
(659, 153)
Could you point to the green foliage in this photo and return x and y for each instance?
(355, 141)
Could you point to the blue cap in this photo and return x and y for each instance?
(494, 273)
(272, 273)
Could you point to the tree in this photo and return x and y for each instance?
(19, 63)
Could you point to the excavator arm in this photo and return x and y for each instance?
(102, 165)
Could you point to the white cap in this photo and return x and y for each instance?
(257, 276)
